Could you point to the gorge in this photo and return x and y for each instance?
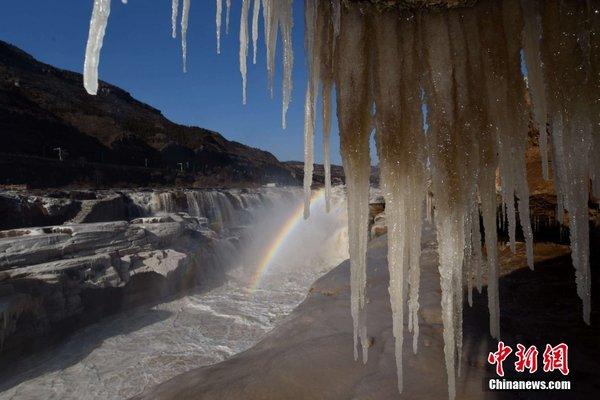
(209, 271)
(486, 121)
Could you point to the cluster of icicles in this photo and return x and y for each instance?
(465, 68)
(277, 20)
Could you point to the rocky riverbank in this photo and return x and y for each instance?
(68, 258)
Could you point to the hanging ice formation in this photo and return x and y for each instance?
(98, 23)
(174, 11)
(466, 65)
(185, 14)
(218, 24)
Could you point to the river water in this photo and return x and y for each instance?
(123, 355)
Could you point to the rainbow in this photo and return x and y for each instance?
(283, 233)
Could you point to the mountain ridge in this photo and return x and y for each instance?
(43, 108)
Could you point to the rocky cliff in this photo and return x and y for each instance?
(92, 254)
(108, 139)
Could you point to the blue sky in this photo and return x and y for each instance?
(140, 56)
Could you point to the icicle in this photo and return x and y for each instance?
(326, 143)
(414, 161)
(218, 18)
(476, 245)
(569, 100)
(327, 44)
(446, 180)
(244, 46)
(174, 11)
(227, 13)
(286, 24)
(337, 10)
(594, 87)
(255, 14)
(312, 47)
(98, 23)
(388, 57)
(309, 130)
(517, 135)
(531, 49)
(354, 117)
(270, 26)
(489, 21)
(185, 13)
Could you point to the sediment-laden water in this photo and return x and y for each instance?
(122, 355)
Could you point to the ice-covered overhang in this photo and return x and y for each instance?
(415, 4)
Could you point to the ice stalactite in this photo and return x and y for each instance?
(320, 50)
(532, 33)
(277, 16)
(312, 90)
(594, 85)
(185, 14)
(400, 146)
(174, 13)
(326, 53)
(255, 15)
(517, 135)
(337, 11)
(494, 114)
(570, 96)
(387, 91)
(270, 28)
(286, 23)
(218, 20)
(447, 182)
(354, 104)
(327, 89)
(227, 14)
(244, 46)
(98, 23)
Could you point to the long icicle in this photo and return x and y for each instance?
(185, 14)
(174, 12)
(312, 84)
(227, 13)
(286, 22)
(327, 48)
(532, 32)
(389, 114)
(98, 23)
(255, 15)
(218, 19)
(354, 118)
(244, 46)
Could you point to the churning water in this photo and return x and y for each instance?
(120, 356)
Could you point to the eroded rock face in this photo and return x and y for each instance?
(57, 277)
(19, 211)
(118, 249)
